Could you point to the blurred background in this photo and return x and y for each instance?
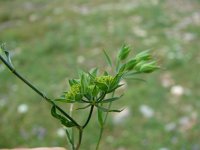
(50, 40)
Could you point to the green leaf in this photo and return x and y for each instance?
(68, 124)
(93, 72)
(95, 91)
(134, 78)
(114, 88)
(72, 82)
(62, 119)
(107, 110)
(100, 117)
(107, 58)
(122, 68)
(84, 107)
(124, 52)
(64, 100)
(6, 55)
(69, 138)
(131, 73)
(110, 99)
(91, 76)
(101, 86)
(84, 82)
(116, 81)
(55, 114)
(78, 97)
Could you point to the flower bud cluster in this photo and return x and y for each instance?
(74, 92)
(92, 87)
(142, 63)
(104, 79)
(89, 87)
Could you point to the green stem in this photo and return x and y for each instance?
(80, 138)
(89, 117)
(36, 90)
(70, 140)
(102, 127)
(72, 129)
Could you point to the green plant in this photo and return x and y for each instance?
(93, 90)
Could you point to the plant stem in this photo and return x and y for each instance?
(48, 100)
(70, 139)
(89, 117)
(79, 139)
(102, 127)
(72, 129)
(36, 90)
(23, 79)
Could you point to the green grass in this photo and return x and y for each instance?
(46, 39)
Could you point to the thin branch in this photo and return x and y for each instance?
(36, 90)
(89, 117)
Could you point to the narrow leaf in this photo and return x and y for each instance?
(102, 86)
(107, 110)
(84, 107)
(100, 117)
(64, 100)
(91, 76)
(111, 99)
(8, 58)
(68, 124)
(115, 87)
(122, 68)
(94, 72)
(62, 119)
(6, 55)
(107, 58)
(134, 78)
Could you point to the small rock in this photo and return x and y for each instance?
(23, 108)
(146, 111)
(177, 90)
(61, 132)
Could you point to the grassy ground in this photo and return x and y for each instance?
(50, 40)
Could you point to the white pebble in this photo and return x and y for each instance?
(177, 90)
(61, 132)
(23, 108)
(146, 111)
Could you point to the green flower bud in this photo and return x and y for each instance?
(123, 53)
(143, 56)
(148, 67)
(139, 65)
(131, 64)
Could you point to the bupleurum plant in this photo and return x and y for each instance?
(92, 90)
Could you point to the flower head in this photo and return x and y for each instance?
(105, 79)
(74, 93)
